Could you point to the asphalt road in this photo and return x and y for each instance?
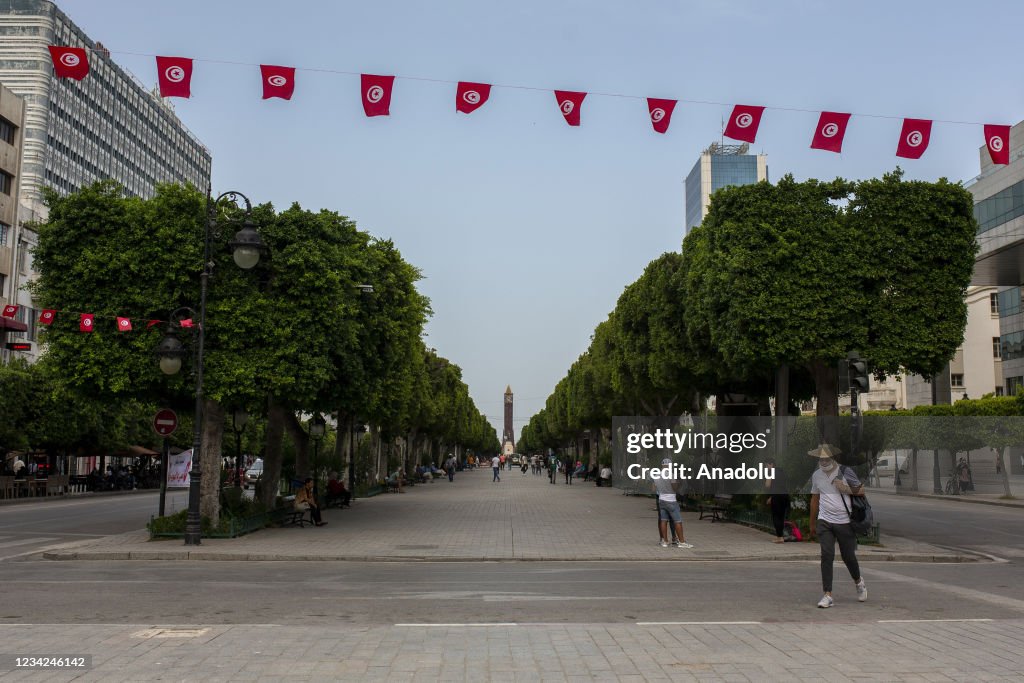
(29, 526)
(990, 529)
(390, 593)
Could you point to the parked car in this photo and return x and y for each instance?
(515, 459)
(253, 474)
(884, 465)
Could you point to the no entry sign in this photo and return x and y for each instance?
(165, 422)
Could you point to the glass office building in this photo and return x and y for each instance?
(720, 166)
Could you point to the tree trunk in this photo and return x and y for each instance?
(341, 440)
(213, 434)
(826, 389)
(1005, 473)
(299, 437)
(273, 454)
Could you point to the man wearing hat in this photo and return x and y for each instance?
(668, 509)
(831, 486)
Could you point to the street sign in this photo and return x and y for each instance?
(165, 422)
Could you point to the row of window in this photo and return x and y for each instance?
(5, 236)
(7, 131)
(1001, 207)
(6, 182)
(1012, 346)
(140, 143)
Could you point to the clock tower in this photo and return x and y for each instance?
(508, 445)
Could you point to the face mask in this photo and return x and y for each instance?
(826, 464)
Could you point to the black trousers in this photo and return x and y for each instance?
(315, 513)
(780, 508)
(828, 534)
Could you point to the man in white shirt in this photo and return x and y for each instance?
(496, 465)
(832, 485)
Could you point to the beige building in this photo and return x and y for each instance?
(12, 126)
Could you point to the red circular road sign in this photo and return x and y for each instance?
(165, 422)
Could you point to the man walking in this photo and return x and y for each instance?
(567, 464)
(496, 465)
(832, 487)
(668, 509)
(449, 466)
(552, 468)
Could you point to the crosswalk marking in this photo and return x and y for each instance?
(26, 541)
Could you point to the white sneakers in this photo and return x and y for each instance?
(664, 544)
(683, 544)
(862, 595)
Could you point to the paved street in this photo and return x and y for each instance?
(474, 585)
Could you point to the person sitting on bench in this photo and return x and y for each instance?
(336, 491)
(306, 500)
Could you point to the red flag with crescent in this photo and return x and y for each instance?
(830, 131)
(570, 103)
(174, 74)
(997, 139)
(914, 138)
(278, 81)
(661, 113)
(743, 123)
(376, 94)
(69, 62)
(471, 96)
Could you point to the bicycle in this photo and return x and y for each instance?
(953, 485)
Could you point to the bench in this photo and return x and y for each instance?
(289, 516)
(715, 508)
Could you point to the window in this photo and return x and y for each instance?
(1013, 384)
(6, 182)
(5, 234)
(999, 391)
(7, 131)
(993, 302)
(3, 283)
(1008, 302)
(997, 348)
(1013, 347)
(956, 380)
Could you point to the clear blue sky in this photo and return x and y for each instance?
(526, 229)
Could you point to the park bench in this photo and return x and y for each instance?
(289, 516)
(716, 508)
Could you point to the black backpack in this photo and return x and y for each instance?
(859, 509)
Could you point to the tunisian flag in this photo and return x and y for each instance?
(124, 325)
(570, 103)
(997, 138)
(174, 74)
(661, 113)
(471, 96)
(743, 122)
(914, 138)
(85, 322)
(377, 94)
(830, 131)
(278, 81)
(47, 316)
(69, 62)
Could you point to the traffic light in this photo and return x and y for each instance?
(860, 380)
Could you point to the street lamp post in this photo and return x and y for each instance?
(238, 421)
(246, 248)
(316, 432)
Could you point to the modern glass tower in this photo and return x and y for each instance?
(720, 165)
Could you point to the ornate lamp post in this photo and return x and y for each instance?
(246, 248)
(238, 421)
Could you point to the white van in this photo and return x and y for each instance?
(884, 465)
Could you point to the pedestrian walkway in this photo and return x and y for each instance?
(523, 517)
(929, 651)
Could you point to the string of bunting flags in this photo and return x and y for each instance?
(87, 321)
(174, 76)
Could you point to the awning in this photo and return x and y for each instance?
(13, 325)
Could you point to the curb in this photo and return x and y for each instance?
(154, 555)
(957, 499)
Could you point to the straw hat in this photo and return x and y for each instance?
(825, 450)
